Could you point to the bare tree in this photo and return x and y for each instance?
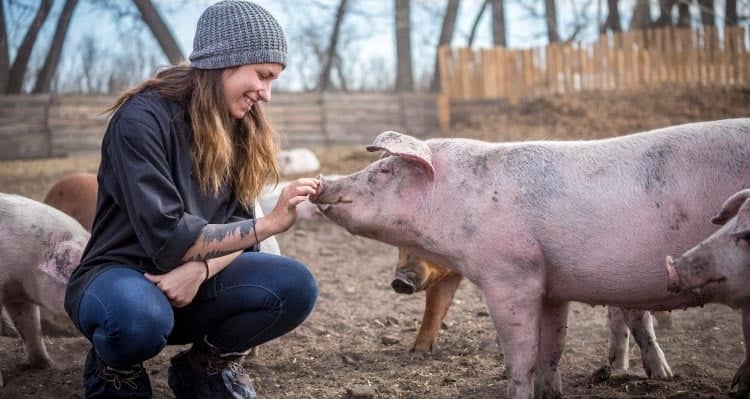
(683, 14)
(446, 34)
(4, 55)
(613, 18)
(707, 12)
(404, 73)
(325, 74)
(730, 13)
(551, 19)
(21, 63)
(475, 25)
(160, 30)
(44, 77)
(665, 13)
(498, 23)
(641, 15)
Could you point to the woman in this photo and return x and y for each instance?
(173, 253)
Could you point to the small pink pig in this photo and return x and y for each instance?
(39, 247)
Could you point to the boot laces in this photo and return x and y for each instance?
(118, 378)
(215, 366)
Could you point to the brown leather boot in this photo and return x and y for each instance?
(202, 372)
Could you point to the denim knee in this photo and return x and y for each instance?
(301, 292)
(126, 317)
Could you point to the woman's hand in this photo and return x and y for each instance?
(181, 284)
(284, 214)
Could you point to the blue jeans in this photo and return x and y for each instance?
(255, 299)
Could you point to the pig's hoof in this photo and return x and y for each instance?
(741, 380)
(420, 353)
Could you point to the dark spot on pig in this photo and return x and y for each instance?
(658, 205)
(535, 170)
(652, 167)
(468, 228)
(678, 218)
(737, 160)
(480, 168)
(63, 261)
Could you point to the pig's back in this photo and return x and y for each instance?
(26, 226)
(627, 202)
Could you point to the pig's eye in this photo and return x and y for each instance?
(384, 170)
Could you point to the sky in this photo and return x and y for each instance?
(369, 27)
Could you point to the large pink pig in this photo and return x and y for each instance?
(39, 248)
(539, 224)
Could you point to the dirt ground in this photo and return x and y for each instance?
(356, 342)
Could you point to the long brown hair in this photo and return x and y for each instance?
(242, 153)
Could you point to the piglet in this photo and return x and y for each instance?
(414, 274)
(39, 247)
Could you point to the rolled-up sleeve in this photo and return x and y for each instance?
(137, 150)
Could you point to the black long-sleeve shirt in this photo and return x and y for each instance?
(150, 208)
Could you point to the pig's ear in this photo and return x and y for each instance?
(730, 207)
(742, 229)
(402, 145)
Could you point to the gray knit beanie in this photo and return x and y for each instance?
(232, 33)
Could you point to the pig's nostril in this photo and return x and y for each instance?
(402, 286)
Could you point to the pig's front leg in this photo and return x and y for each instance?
(742, 377)
(439, 299)
(554, 326)
(515, 308)
(619, 340)
(642, 326)
(25, 316)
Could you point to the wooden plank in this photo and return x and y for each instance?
(31, 145)
(489, 77)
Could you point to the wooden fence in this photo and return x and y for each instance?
(629, 60)
(33, 126)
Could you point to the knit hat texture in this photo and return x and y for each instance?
(232, 33)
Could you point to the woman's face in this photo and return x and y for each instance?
(246, 85)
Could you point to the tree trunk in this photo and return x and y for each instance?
(641, 15)
(683, 15)
(475, 25)
(551, 17)
(44, 77)
(613, 19)
(707, 12)
(665, 13)
(325, 74)
(730, 14)
(161, 31)
(446, 33)
(4, 55)
(404, 74)
(498, 23)
(21, 63)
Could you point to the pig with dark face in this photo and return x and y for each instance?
(719, 267)
(414, 274)
(536, 225)
(39, 247)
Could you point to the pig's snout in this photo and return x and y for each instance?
(403, 286)
(403, 282)
(673, 280)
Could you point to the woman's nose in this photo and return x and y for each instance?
(265, 93)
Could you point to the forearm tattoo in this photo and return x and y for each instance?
(218, 233)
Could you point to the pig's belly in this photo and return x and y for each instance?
(641, 288)
(630, 273)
